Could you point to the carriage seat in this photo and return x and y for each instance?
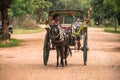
(68, 30)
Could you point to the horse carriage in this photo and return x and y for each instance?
(65, 39)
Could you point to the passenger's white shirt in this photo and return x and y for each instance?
(78, 23)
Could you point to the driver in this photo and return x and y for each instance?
(56, 21)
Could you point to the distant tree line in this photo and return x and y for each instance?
(14, 8)
(106, 9)
(101, 10)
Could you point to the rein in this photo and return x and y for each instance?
(54, 37)
(57, 37)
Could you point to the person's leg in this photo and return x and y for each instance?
(79, 43)
(76, 29)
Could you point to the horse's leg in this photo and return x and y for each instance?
(57, 57)
(62, 63)
(79, 44)
(66, 48)
(62, 56)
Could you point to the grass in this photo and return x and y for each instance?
(13, 43)
(16, 42)
(111, 30)
(93, 26)
(27, 31)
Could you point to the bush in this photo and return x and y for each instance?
(111, 29)
(13, 43)
(23, 22)
(29, 23)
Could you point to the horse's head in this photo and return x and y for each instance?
(54, 32)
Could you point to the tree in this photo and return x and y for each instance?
(4, 5)
(65, 4)
(116, 9)
(19, 8)
(82, 5)
(42, 5)
(98, 10)
(24, 7)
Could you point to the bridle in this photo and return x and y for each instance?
(54, 37)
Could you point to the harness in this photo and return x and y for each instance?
(61, 35)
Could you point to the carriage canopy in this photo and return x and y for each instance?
(67, 16)
(67, 12)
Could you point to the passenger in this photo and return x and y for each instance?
(78, 23)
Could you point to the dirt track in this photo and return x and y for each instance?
(26, 63)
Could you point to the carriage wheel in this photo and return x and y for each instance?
(85, 49)
(46, 49)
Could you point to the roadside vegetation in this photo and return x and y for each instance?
(27, 31)
(30, 13)
(13, 43)
(111, 29)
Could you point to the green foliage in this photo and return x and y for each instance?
(103, 9)
(98, 7)
(24, 7)
(82, 5)
(69, 4)
(115, 9)
(111, 30)
(28, 31)
(13, 43)
(115, 4)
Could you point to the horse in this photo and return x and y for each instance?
(60, 40)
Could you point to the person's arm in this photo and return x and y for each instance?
(75, 23)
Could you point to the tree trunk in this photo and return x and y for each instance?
(101, 21)
(118, 18)
(115, 24)
(5, 23)
(38, 13)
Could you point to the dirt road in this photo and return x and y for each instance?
(26, 63)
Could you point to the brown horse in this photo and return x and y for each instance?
(59, 39)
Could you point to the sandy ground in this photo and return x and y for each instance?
(26, 61)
